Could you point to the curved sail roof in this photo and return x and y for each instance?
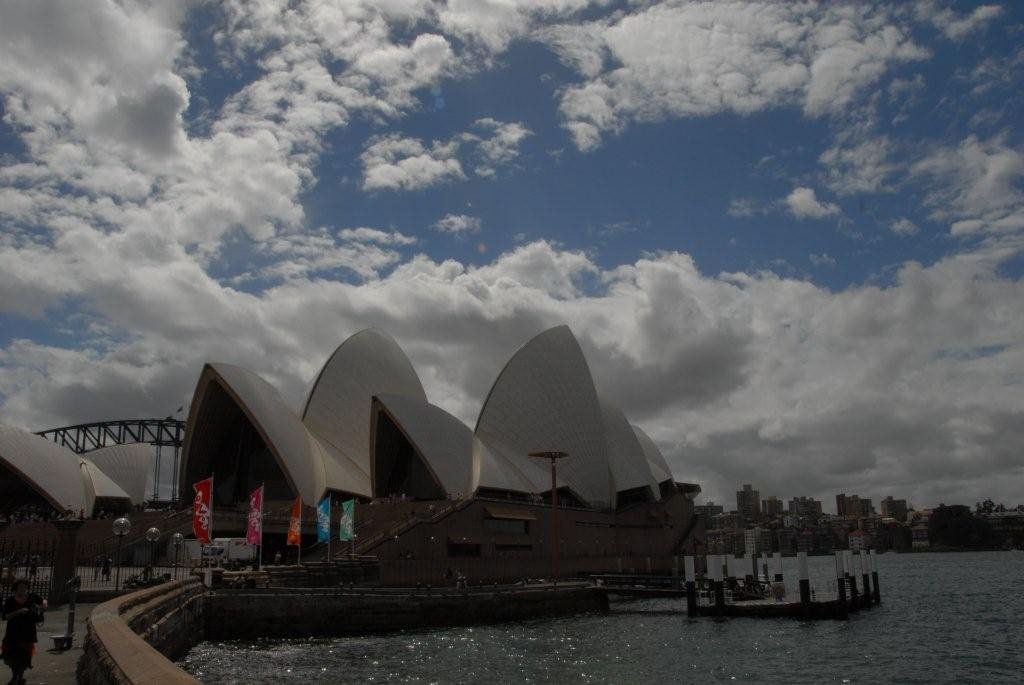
(626, 456)
(295, 450)
(500, 467)
(130, 466)
(98, 485)
(49, 469)
(659, 467)
(443, 441)
(545, 399)
(337, 409)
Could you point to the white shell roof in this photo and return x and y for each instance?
(130, 466)
(659, 467)
(98, 484)
(299, 455)
(544, 399)
(503, 468)
(51, 470)
(625, 454)
(337, 410)
(443, 440)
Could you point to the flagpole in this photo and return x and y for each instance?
(329, 503)
(260, 547)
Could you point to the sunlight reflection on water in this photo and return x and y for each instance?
(945, 618)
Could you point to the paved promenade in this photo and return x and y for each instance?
(51, 666)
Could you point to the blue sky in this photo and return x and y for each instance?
(767, 216)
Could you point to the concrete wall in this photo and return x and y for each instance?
(298, 613)
(590, 542)
(132, 639)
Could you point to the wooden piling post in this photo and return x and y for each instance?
(866, 600)
(851, 580)
(874, 578)
(719, 587)
(691, 586)
(764, 567)
(777, 563)
(841, 586)
(805, 581)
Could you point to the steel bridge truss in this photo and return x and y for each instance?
(161, 433)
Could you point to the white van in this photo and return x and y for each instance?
(235, 549)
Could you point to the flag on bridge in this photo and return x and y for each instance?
(323, 520)
(254, 531)
(202, 510)
(346, 531)
(295, 524)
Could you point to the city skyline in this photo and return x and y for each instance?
(788, 236)
(876, 502)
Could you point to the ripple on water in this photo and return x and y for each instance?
(946, 618)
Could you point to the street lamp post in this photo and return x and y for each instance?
(178, 539)
(553, 457)
(121, 527)
(153, 534)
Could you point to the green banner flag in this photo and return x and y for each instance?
(346, 530)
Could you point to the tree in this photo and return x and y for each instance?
(955, 526)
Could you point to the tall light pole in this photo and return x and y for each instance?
(553, 457)
(121, 527)
(178, 540)
(153, 534)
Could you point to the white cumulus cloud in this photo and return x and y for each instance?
(457, 224)
(804, 204)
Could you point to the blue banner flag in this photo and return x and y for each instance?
(323, 520)
(346, 531)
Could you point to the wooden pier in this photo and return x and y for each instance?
(755, 596)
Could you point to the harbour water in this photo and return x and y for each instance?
(944, 618)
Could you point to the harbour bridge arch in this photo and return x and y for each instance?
(165, 435)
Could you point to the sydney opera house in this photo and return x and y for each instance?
(432, 490)
(39, 475)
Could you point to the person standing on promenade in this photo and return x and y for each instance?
(22, 611)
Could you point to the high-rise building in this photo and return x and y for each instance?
(748, 504)
(757, 540)
(853, 506)
(708, 510)
(895, 508)
(806, 507)
(771, 507)
(866, 507)
(726, 521)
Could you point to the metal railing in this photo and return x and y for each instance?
(32, 561)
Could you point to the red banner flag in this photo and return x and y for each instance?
(295, 524)
(202, 510)
(254, 532)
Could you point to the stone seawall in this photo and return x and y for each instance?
(132, 639)
(283, 613)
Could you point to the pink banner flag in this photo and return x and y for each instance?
(202, 510)
(254, 533)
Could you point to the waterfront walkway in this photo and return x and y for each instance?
(52, 666)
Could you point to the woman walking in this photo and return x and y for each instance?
(22, 611)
